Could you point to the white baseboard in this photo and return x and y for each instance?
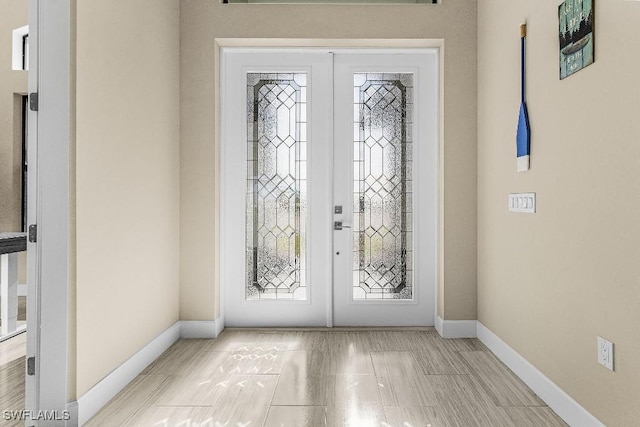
(438, 325)
(22, 290)
(72, 409)
(563, 405)
(567, 408)
(201, 328)
(456, 328)
(93, 400)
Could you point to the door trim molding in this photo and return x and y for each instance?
(329, 43)
(50, 179)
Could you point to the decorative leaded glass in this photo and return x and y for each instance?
(276, 184)
(383, 186)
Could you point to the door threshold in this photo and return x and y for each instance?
(339, 329)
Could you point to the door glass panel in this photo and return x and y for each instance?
(276, 186)
(382, 231)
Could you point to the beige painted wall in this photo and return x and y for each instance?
(127, 180)
(550, 283)
(202, 21)
(12, 85)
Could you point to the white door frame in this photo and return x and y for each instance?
(48, 207)
(352, 46)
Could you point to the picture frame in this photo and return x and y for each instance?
(576, 35)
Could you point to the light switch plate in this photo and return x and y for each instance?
(522, 202)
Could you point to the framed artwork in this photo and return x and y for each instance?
(576, 36)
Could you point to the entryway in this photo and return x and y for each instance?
(328, 198)
(340, 377)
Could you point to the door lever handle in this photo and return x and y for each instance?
(337, 225)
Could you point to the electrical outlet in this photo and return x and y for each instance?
(605, 353)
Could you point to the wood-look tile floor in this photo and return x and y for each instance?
(274, 378)
(12, 386)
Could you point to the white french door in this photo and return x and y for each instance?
(384, 179)
(328, 187)
(276, 188)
